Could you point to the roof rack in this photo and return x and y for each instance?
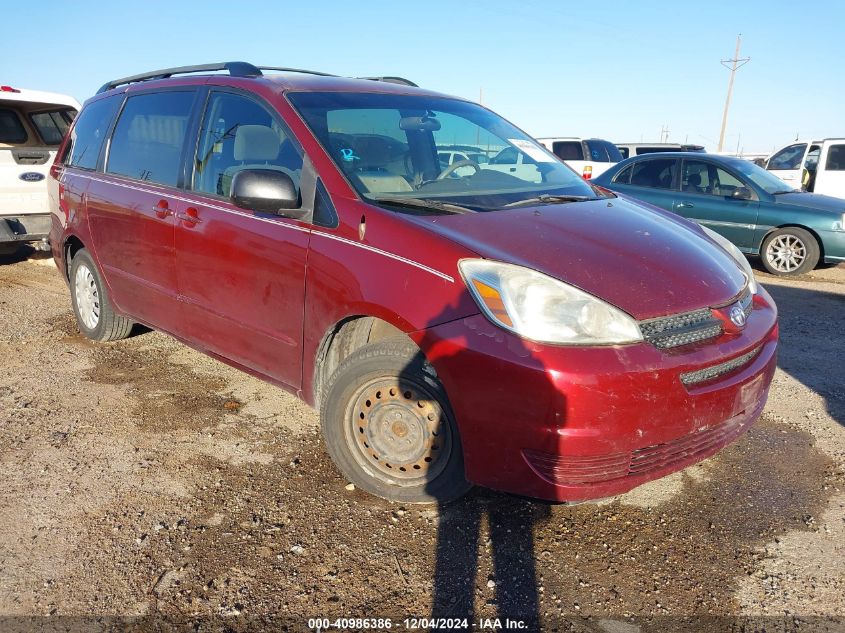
(392, 80)
(236, 69)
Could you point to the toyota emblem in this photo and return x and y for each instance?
(737, 315)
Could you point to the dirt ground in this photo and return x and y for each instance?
(144, 486)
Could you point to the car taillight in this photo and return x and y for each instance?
(588, 172)
(8, 89)
(54, 171)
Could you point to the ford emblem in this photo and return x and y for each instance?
(737, 315)
(31, 176)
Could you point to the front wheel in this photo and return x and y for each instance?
(790, 251)
(91, 306)
(389, 428)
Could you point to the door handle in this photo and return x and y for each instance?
(161, 209)
(190, 216)
(684, 205)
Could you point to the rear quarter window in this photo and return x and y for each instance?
(835, 158)
(52, 125)
(12, 131)
(89, 133)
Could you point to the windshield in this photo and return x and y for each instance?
(766, 180)
(404, 146)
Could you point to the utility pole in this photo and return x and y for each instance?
(736, 63)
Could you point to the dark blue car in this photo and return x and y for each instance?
(791, 230)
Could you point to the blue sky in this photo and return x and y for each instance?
(616, 70)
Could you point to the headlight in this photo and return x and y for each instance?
(538, 307)
(734, 252)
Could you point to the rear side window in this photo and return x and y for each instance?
(148, 138)
(52, 126)
(11, 129)
(568, 150)
(89, 132)
(788, 158)
(835, 158)
(658, 173)
(603, 152)
(624, 152)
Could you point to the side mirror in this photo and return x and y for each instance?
(264, 190)
(742, 193)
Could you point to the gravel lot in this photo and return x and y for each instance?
(145, 485)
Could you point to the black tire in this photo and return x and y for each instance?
(789, 251)
(108, 326)
(384, 403)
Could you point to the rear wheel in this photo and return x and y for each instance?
(389, 428)
(91, 305)
(790, 251)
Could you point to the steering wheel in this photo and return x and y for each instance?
(454, 166)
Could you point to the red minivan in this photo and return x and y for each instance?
(454, 325)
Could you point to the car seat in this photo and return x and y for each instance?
(694, 183)
(259, 147)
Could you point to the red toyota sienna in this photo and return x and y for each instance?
(498, 322)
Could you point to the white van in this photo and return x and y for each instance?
(817, 166)
(32, 124)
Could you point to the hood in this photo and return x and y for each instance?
(815, 201)
(646, 262)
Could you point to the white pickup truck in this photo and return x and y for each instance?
(816, 166)
(32, 124)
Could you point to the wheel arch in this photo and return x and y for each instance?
(72, 245)
(794, 225)
(345, 337)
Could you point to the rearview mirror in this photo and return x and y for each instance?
(742, 193)
(418, 124)
(264, 190)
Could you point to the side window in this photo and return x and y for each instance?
(11, 129)
(835, 158)
(568, 150)
(324, 211)
(89, 132)
(788, 158)
(603, 152)
(624, 152)
(701, 177)
(52, 126)
(624, 176)
(238, 133)
(147, 141)
(657, 173)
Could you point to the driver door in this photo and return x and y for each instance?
(706, 196)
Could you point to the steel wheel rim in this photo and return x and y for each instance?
(786, 253)
(398, 430)
(87, 296)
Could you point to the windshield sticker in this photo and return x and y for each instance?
(532, 150)
(348, 155)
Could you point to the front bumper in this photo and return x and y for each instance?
(572, 424)
(24, 228)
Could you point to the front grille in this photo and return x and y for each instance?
(714, 371)
(573, 471)
(689, 327)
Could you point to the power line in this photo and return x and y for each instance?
(736, 63)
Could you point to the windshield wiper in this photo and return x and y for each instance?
(548, 199)
(422, 203)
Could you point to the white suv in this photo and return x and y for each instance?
(32, 124)
(817, 166)
(589, 157)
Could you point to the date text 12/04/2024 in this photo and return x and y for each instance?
(378, 624)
